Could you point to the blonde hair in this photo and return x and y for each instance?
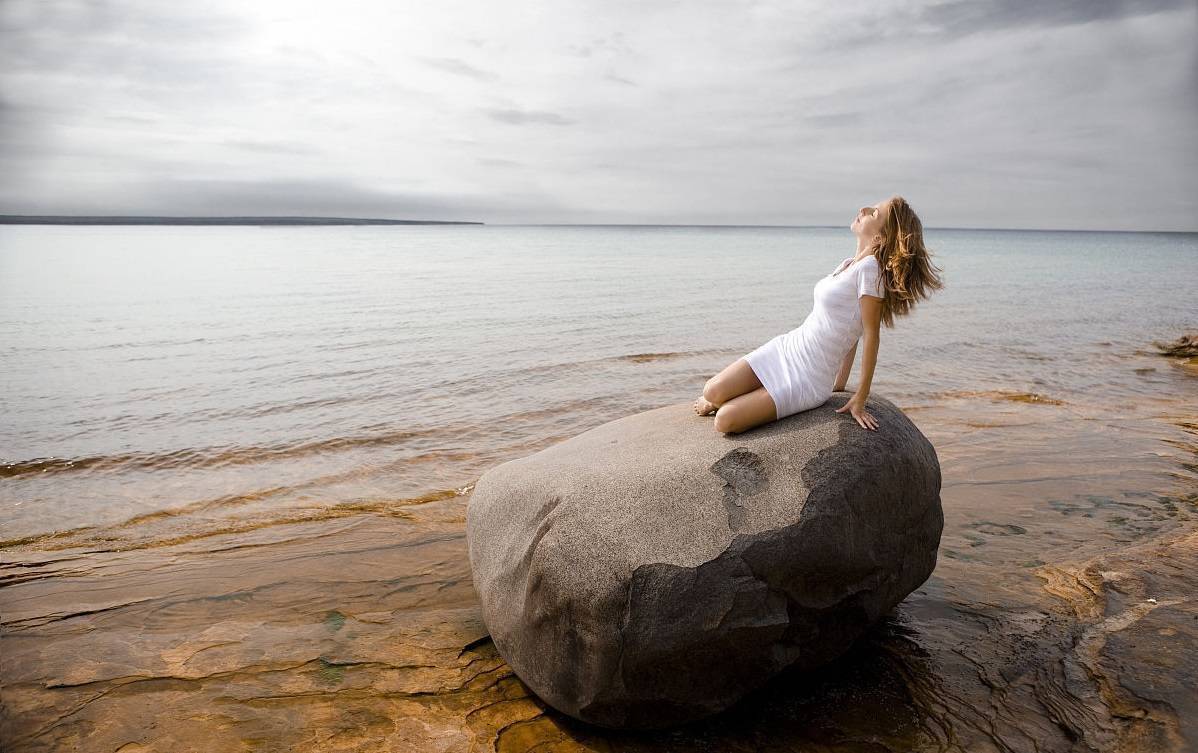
(908, 274)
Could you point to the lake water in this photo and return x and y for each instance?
(173, 394)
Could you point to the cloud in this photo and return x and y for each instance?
(940, 21)
(993, 114)
(834, 119)
(270, 147)
(498, 162)
(965, 17)
(453, 65)
(526, 117)
(618, 79)
(298, 197)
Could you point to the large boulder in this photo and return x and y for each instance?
(652, 570)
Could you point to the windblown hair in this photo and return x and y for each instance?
(908, 274)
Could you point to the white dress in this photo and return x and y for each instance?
(798, 368)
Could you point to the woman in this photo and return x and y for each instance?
(800, 369)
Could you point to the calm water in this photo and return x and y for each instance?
(235, 464)
(221, 377)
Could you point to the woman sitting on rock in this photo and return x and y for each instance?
(800, 369)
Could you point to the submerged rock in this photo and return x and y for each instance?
(1185, 346)
(652, 571)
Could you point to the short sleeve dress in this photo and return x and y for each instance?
(798, 368)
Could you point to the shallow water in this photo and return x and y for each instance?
(237, 462)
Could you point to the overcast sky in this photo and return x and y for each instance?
(1028, 113)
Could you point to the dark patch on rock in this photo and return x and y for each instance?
(744, 475)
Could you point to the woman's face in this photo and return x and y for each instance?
(868, 221)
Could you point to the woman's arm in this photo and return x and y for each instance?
(868, 283)
(871, 320)
(842, 376)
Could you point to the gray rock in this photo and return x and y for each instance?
(652, 571)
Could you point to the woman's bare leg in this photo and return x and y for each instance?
(745, 412)
(737, 378)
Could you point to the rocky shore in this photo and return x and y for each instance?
(1061, 616)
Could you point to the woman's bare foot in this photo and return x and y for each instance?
(704, 407)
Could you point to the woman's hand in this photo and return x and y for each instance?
(857, 408)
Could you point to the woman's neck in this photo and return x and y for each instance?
(863, 249)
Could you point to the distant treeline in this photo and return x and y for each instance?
(20, 219)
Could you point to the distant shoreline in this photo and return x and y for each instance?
(22, 219)
(134, 220)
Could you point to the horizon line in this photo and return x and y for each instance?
(50, 219)
(799, 227)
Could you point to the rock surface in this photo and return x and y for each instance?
(653, 571)
(1185, 346)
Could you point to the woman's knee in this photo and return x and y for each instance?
(725, 419)
(712, 392)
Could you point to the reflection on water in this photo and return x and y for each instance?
(262, 547)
